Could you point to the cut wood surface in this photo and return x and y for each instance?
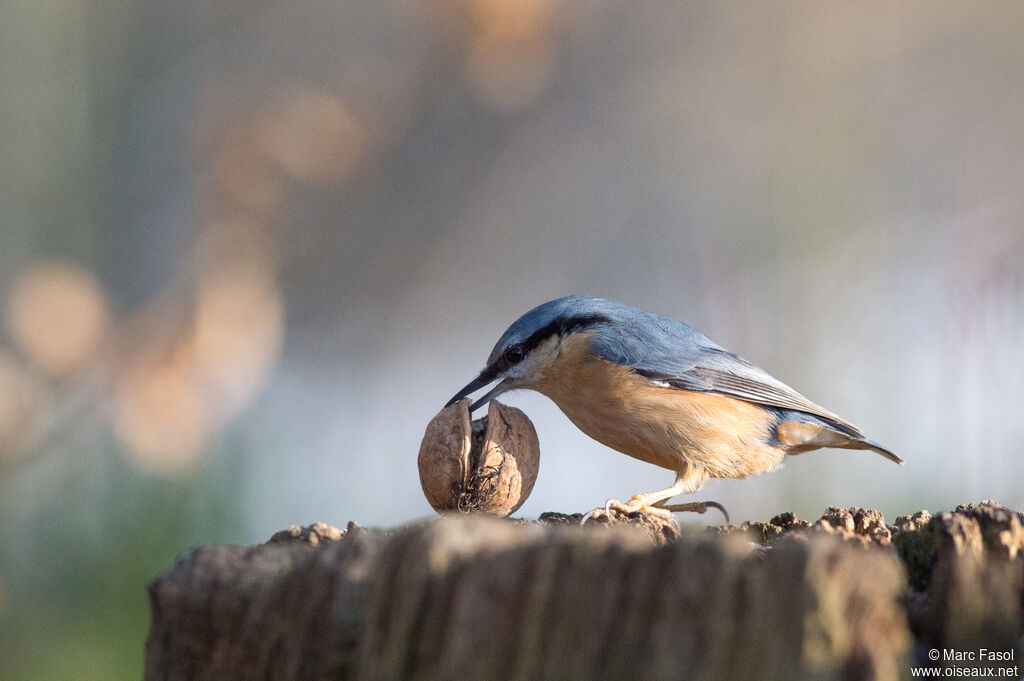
(845, 597)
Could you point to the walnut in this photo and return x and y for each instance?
(485, 466)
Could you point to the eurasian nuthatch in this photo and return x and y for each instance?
(662, 392)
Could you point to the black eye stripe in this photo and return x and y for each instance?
(562, 326)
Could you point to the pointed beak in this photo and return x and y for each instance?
(485, 378)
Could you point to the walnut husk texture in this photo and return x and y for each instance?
(481, 598)
(444, 456)
(484, 466)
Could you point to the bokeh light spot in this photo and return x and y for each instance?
(57, 314)
(162, 417)
(316, 138)
(511, 51)
(239, 325)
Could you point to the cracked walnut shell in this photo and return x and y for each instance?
(484, 466)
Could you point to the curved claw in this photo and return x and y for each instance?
(609, 506)
(721, 508)
(674, 522)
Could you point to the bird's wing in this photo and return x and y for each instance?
(678, 356)
(675, 354)
(723, 373)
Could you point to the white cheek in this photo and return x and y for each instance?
(520, 371)
(535, 364)
(530, 369)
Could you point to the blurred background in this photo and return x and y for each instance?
(248, 250)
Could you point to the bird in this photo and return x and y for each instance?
(660, 391)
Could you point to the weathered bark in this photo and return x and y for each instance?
(476, 598)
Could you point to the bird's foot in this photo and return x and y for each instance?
(659, 511)
(637, 504)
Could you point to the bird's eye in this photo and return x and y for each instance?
(514, 355)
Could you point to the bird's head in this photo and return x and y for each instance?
(533, 345)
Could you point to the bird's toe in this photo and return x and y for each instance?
(613, 508)
(697, 507)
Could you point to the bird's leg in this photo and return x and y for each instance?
(697, 480)
(688, 479)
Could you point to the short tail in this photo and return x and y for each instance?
(804, 433)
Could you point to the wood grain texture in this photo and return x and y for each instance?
(477, 598)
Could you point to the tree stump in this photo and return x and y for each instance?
(478, 598)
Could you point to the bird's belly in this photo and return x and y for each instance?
(668, 427)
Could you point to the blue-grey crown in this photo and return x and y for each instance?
(560, 316)
(622, 334)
